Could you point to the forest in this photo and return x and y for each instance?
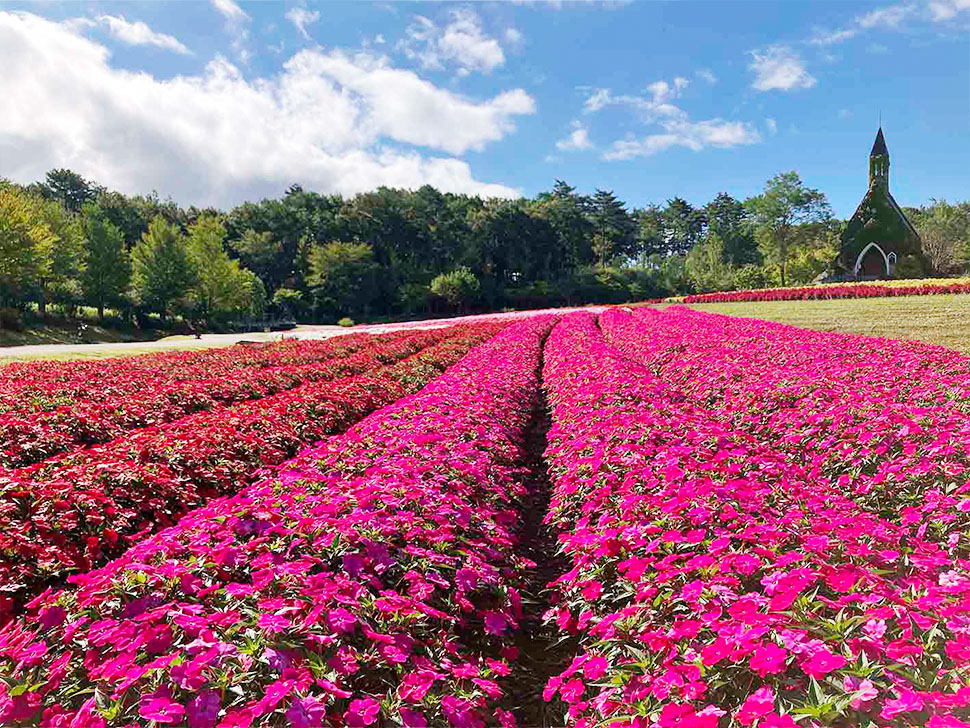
(68, 243)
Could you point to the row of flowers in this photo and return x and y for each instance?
(43, 385)
(717, 580)
(74, 513)
(31, 438)
(844, 290)
(371, 581)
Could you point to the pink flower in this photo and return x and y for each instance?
(203, 709)
(307, 712)
(341, 620)
(715, 652)
(595, 667)
(161, 710)
(362, 712)
(495, 623)
(822, 663)
(759, 703)
(466, 579)
(413, 718)
(769, 659)
(273, 623)
(774, 720)
(865, 691)
(572, 690)
(907, 701)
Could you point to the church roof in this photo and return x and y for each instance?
(879, 146)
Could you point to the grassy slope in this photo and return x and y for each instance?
(56, 330)
(943, 320)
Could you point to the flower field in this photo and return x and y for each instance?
(829, 291)
(754, 525)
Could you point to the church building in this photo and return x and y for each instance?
(879, 233)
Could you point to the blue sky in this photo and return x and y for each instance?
(214, 103)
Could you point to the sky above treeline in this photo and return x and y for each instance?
(220, 102)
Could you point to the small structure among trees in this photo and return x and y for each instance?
(879, 240)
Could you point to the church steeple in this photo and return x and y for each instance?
(879, 162)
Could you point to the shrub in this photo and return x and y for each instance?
(345, 321)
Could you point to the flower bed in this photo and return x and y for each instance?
(41, 435)
(370, 582)
(718, 581)
(77, 512)
(27, 387)
(832, 291)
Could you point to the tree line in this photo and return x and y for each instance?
(69, 242)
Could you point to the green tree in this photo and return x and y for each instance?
(614, 229)
(459, 287)
(343, 276)
(107, 265)
(23, 234)
(162, 271)
(221, 287)
(60, 258)
(785, 204)
(727, 218)
(683, 226)
(705, 266)
(944, 230)
(69, 188)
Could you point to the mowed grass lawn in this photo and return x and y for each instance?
(943, 320)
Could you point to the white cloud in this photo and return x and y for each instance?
(301, 18)
(657, 104)
(888, 17)
(236, 25)
(577, 140)
(705, 74)
(693, 135)
(894, 18)
(137, 33)
(230, 11)
(330, 121)
(845, 114)
(829, 37)
(513, 36)
(461, 42)
(943, 10)
(779, 68)
(771, 125)
(677, 129)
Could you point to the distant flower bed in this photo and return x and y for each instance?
(836, 290)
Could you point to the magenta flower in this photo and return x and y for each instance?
(362, 712)
(161, 710)
(341, 620)
(203, 709)
(307, 712)
(413, 718)
(495, 623)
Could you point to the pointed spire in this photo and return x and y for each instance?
(879, 146)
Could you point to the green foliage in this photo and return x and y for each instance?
(343, 276)
(163, 272)
(222, 290)
(69, 189)
(909, 267)
(107, 265)
(289, 302)
(346, 322)
(706, 268)
(24, 235)
(944, 229)
(459, 287)
(785, 204)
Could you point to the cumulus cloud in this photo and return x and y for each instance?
(331, 121)
(694, 135)
(577, 140)
(301, 18)
(134, 34)
(779, 68)
(461, 42)
(230, 11)
(771, 125)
